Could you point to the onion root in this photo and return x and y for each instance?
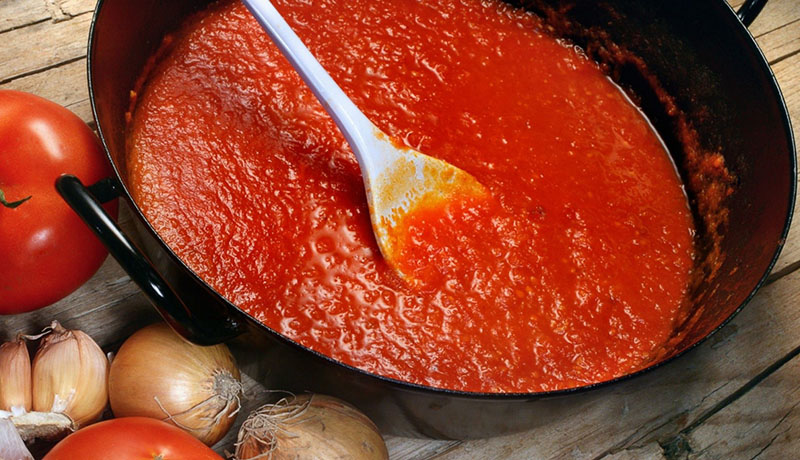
(309, 426)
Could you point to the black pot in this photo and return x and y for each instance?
(698, 54)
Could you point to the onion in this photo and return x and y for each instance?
(158, 374)
(309, 426)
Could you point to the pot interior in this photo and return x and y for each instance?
(690, 65)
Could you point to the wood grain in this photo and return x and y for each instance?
(65, 84)
(781, 43)
(776, 14)
(764, 423)
(15, 14)
(42, 46)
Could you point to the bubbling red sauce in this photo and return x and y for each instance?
(574, 272)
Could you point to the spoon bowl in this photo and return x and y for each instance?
(398, 179)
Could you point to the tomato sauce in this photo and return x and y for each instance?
(574, 272)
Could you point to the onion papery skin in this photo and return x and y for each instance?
(158, 374)
(309, 426)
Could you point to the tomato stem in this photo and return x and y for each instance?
(12, 204)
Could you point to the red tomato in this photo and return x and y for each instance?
(46, 251)
(131, 438)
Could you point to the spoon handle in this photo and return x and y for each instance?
(347, 116)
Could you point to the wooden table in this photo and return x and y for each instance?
(736, 396)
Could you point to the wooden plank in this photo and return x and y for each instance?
(65, 85)
(764, 423)
(19, 13)
(781, 43)
(43, 45)
(775, 14)
(417, 448)
(652, 451)
(658, 405)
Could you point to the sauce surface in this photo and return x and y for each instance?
(573, 273)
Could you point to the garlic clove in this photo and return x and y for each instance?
(11, 445)
(15, 377)
(70, 374)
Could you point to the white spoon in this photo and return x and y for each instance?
(397, 178)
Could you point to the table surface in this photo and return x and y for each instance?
(735, 396)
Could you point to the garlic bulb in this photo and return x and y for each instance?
(15, 377)
(158, 374)
(70, 374)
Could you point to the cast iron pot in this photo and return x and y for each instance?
(699, 53)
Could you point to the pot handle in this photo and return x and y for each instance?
(749, 11)
(86, 202)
